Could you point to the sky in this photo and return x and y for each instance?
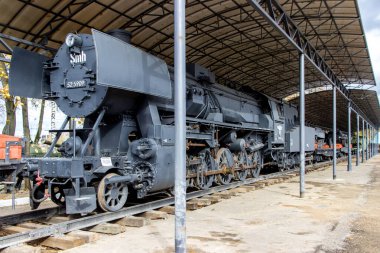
(370, 14)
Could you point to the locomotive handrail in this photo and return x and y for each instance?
(234, 126)
(52, 145)
(69, 130)
(92, 133)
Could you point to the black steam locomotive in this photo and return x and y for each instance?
(126, 146)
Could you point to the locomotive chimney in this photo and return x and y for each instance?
(121, 35)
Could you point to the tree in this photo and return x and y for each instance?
(40, 122)
(10, 101)
(25, 124)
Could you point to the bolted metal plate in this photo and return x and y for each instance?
(85, 203)
(26, 77)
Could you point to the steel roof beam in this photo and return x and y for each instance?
(276, 16)
(302, 17)
(9, 49)
(319, 39)
(26, 42)
(5, 60)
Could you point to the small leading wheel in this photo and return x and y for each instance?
(112, 197)
(57, 195)
(224, 161)
(203, 181)
(257, 163)
(242, 162)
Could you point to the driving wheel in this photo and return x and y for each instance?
(242, 162)
(224, 161)
(112, 196)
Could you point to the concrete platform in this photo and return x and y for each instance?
(331, 217)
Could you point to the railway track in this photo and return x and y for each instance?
(92, 220)
(30, 215)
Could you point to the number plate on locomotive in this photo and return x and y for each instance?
(75, 84)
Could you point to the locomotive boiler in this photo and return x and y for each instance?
(126, 145)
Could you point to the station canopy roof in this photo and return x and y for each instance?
(319, 109)
(229, 37)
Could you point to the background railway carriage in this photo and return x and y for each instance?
(127, 143)
(324, 145)
(11, 165)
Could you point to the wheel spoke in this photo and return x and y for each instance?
(57, 195)
(111, 197)
(108, 200)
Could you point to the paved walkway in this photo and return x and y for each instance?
(273, 219)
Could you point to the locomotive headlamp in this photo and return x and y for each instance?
(73, 40)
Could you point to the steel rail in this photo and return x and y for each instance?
(13, 219)
(88, 221)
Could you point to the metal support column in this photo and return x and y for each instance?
(370, 142)
(373, 142)
(180, 124)
(302, 124)
(363, 140)
(366, 141)
(349, 166)
(377, 141)
(334, 132)
(357, 138)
